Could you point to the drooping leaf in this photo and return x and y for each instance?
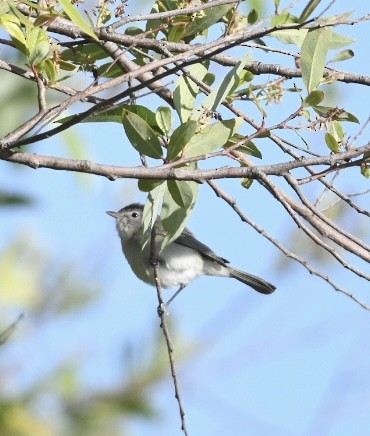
(218, 95)
(338, 41)
(342, 56)
(186, 91)
(308, 10)
(174, 218)
(313, 56)
(180, 138)
(212, 137)
(290, 36)
(184, 192)
(48, 68)
(335, 114)
(163, 118)
(151, 211)
(365, 167)
(297, 36)
(207, 19)
(313, 99)
(177, 30)
(209, 79)
(76, 17)
(146, 114)
(337, 131)
(12, 25)
(141, 135)
(147, 185)
(252, 16)
(332, 143)
(247, 148)
(285, 18)
(83, 54)
(38, 46)
(246, 183)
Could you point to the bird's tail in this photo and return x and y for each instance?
(254, 282)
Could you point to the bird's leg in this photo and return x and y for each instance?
(175, 295)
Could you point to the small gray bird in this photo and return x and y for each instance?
(182, 261)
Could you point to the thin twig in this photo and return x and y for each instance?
(4, 335)
(338, 230)
(294, 210)
(222, 194)
(154, 260)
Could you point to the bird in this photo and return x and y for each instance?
(182, 261)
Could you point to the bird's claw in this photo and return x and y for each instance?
(162, 310)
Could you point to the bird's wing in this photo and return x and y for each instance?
(187, 239)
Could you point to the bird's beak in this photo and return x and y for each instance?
(113, 214)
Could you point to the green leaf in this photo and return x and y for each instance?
(290, 36)
(12, 25)
(332, 143)
(246, 183)
(151, 211)
(285, 18)
(338, 41)
(335, 114)
(347, 116)
(277, 4)
(163, 118)
(365, 167)
(22, 18)
(297, 36)
(308, 10)
(87, 53)
(108, 70)
(74, 14)
(218, 95)
(48, 67)
(186, 91)
(111, 116)
(207, 19)
(248, 148)
(38, 46)
(67, 66)
(313, 56)
(209, 79)
(174, 218)
(252, 16)
(342, 56)
(183, 192)
(141, 135)
(180, 138)
(365, 170)
(212, 137)
(147, 185)
(337, 131)
(313, 99)
(177, 31)
(146, 114)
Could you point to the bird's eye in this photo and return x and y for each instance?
(134, 214)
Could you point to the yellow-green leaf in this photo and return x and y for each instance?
(180, 138)
(313, 99)
(183, 192)
(75, 15)
(313, 56)
(332, 143)
(141, 135)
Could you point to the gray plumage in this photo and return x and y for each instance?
(182, 261)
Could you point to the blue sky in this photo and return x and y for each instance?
(293, 363)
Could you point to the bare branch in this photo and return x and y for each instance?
(222, 194)
(154, 260)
